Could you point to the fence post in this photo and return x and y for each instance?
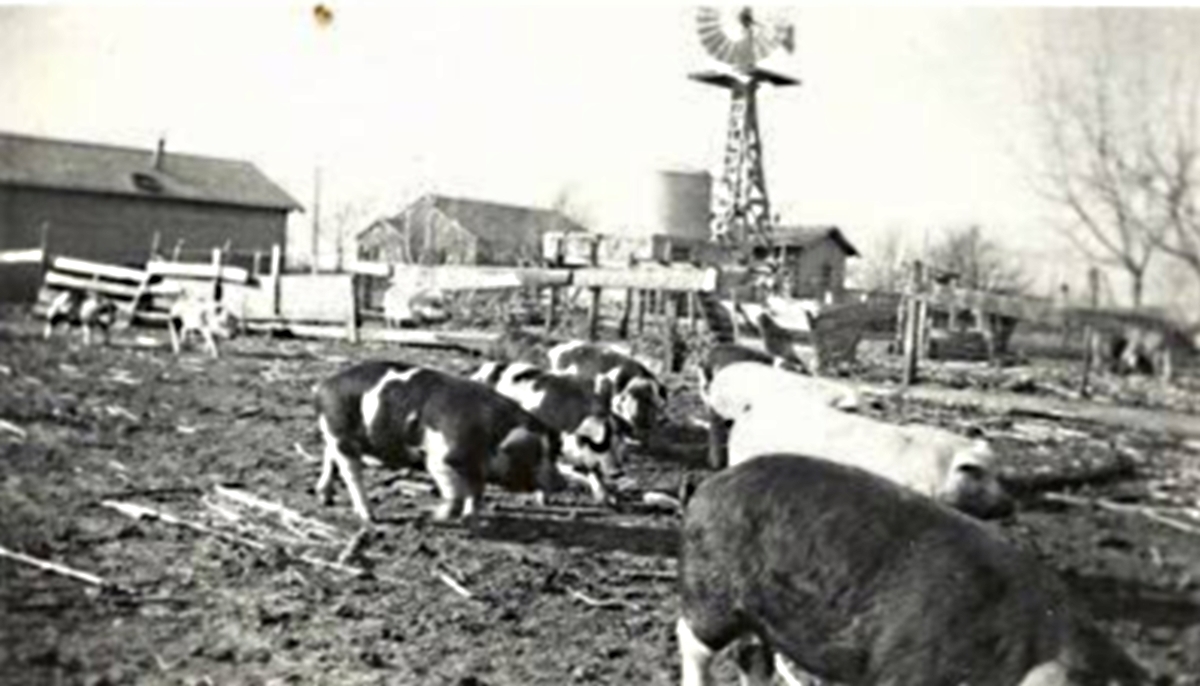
(911, 324)
(276, 268)
(352, 320)
(216, 261)
(555, 291)
(641, 311)
(672, 317)
(1090, 341)
(593, 328)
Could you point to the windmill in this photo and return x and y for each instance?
(741, 37)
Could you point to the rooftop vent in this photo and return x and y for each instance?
(147, 182)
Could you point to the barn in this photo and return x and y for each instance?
(813, 260)
(438, 229)
(106, 203)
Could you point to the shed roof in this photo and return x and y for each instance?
(804, 236)
(91, 167)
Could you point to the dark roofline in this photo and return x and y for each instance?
(824, 232)
(289, 205)
(153, 198)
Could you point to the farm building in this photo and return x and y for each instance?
(437, 229)
(813, 259)
(105, 203)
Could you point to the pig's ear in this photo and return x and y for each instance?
(604, 390)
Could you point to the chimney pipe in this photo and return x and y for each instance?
(159, 152)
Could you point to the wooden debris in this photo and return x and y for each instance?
(609, 604)
(134, 511)
(306, 525)
(60, 569)
(308, 457)
(453, 583)
(8, 427)
(1145, 511)
(118, 411)
(354, 549)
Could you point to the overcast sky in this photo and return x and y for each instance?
(908, 119)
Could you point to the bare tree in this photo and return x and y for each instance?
(882, 267)
(568, 203)
(978, 262)
(1100, 111)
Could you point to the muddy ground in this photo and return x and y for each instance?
(555, 597)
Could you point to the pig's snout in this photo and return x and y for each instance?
(974, 490)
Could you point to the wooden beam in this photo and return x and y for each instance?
(30, 256)
(60, 280)
(67, 264)
(648, 278)
(197, 270)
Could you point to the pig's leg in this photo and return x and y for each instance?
(452, 484)
(175, 335)
(324, 488)
(210, 342)
(754, 662)
(694, 656)
(349, 464)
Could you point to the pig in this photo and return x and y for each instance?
(460, 431)
(738, 387)
(718, 357)
(639, 398)
(205, 316)
(857, 580)
(734, 387)
(953, 469)
(87, 309)
(593, 448)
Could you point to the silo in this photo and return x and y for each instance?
(682, 203)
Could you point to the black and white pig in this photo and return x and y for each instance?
(204, 316)
(639, 398)
(859, 581)
(88, 310)
(462, 432)
(592, 445)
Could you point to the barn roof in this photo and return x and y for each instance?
(91, 167)
(495, 223)
(804, 236)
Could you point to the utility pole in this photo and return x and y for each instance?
(316, 218)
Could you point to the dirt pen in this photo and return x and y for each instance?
(158, 524)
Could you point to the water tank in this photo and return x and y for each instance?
(682, 202)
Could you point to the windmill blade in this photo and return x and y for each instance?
(741, 36)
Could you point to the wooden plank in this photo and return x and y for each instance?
(475, 278)
(196, 270)
(648, 278)
(379, 269)
(60, 280)
(67, 264)
(30, 256)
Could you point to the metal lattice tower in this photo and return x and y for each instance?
(740, 38)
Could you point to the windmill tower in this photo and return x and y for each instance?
(741, 38)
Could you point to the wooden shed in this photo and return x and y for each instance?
(105, 203)
(437, 229)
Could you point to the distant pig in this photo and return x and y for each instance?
(858, 581)
(593, 448)
(204, 316)
(87, 309)
(462, 432)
